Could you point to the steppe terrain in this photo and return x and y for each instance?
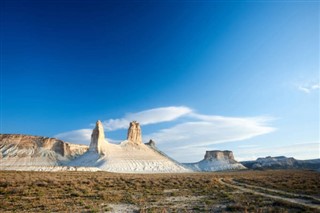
(241, 191)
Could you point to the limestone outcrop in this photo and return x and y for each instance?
(220, 155)
(97, 138)
(19, 142)
(19, 151)
(216, 160)
(129, 156)
(134, 133)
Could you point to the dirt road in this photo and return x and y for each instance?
(274, 194)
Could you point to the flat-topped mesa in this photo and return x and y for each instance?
(134, 133)
(219, 155)
(97, 138)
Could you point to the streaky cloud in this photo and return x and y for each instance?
(146, 117)
(80, 136)
(207, 131)
(309, 88)
(195, 132)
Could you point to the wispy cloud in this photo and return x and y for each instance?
(80, 136)
(309, 88)
(195, 132)
(151, 116)
(209, 130)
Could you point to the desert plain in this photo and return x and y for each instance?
(238, 191)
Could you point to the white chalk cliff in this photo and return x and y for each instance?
(134, 133)
(98, 141)
(26, 152)
(130, 156)
(216, 160)
(22, 152)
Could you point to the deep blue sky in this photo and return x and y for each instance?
(66, 64)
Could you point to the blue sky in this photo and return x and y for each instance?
(198, 76)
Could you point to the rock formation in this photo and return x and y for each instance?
(134, 133)
(26, 150)
(130, 156)
(151, 143)
(97, 138)
(220, 155)
(27, 142)
(216, 161)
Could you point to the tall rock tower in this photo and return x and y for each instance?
(97, 138)
(134, 133)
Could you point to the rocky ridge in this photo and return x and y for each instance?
(282, 162)
(27, 150)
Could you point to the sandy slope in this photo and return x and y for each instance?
(129, 158)
(214, 165)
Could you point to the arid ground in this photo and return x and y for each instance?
(247, 191)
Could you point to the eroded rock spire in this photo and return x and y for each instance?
(134, 133)
(97, 138)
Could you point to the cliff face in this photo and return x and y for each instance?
(134, 133)
(220, 155)
(98, 139)
(19, 145)
(26, 152)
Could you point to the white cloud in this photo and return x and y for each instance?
(212, 130)
(305, 150)
(207, 131)
(316, 86)
(191, 137)
(309, 88)
(151, 116)
(304, 89)
(80, 136)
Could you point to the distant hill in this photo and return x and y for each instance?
(282, 162)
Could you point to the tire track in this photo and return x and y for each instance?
(298, 201)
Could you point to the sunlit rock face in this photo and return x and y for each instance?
(98, 138)
(220, 155)
(134, 133)
(17, 150)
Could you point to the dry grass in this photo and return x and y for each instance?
(298, 181)
(200, 192)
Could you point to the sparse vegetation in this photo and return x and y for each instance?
(102, 191)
